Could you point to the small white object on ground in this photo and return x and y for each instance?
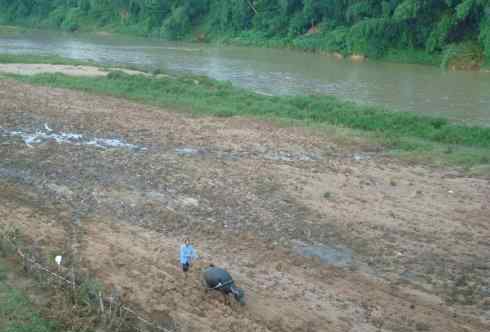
(58, 259)
(47, 128)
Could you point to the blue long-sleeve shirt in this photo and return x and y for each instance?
(187, 253)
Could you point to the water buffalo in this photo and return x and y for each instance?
(215, 278)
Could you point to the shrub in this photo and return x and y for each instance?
(485, 37)
(177, 25)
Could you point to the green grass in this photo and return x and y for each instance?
(206, 96)
(412, 56)
(9, 30)
(403, 133)
(41, 59)
(17, 313)
(486, 66)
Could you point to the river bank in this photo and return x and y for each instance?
(460, 60)
(320, 45)
(460, 96)
(427, 139)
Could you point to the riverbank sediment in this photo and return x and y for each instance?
(69, 70)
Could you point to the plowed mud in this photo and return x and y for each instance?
(321, 237)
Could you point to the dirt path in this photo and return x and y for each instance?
(71, 70)
(393, 247)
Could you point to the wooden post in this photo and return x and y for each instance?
(25, 262)
(101, 303)
(73, 285)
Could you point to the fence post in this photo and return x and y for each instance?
(101, 303)
(25, 264)
(73, 286)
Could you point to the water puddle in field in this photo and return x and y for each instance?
(47, 135)
(237, 155)
(31, 138)
(336, 256)
(190, 152)
(291, 156)
(19, 175)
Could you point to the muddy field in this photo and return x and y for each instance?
(322, 237)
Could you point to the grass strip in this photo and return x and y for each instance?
(17, 313)
(205, 96)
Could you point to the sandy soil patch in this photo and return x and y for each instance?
(71, 70)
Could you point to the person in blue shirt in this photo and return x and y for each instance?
(187, 255)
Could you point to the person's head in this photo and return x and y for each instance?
(187, 241)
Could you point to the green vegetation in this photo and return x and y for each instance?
(404, 134)
(467, 55)
(410, 30)
(17, 313)
(207, 96)
(36, 59)
(6, 30)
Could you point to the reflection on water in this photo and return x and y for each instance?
(462, 96)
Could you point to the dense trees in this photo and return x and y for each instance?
(350, 26)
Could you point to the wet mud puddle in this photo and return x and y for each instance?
(46, 135)
(331, 255)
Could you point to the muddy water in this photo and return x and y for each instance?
(338, 256)
(47, 134)
(459, 96)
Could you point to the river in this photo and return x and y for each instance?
(458, 96)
